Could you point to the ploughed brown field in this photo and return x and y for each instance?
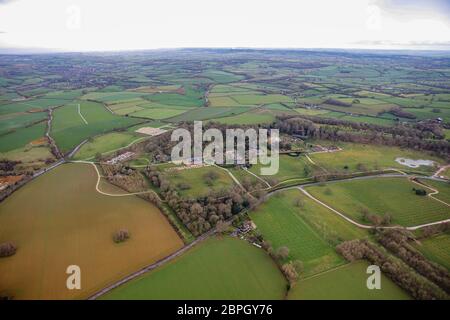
(60, 219)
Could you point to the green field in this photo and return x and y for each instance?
(35, 104)
(289, 168)
(346, 283)
(261, 99)
(208, 113)
(371, 157)
(381, 196)
(22, 137)
(441, 186)
(193, 177)
(104, 144)
(110, 97)
(221, 76)
(219, 268)
(248, 118)
(13, 122)
(283, 224)
(158, 113)
(69, 129)
(436, 249)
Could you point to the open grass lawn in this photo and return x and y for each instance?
(69, 129)
(380, 196)
(59, 220)
(194, 178)
(289, 168)
(346, 283)
(104, 144)
(21, 137)
(436, 249)
(280, 221)
(219, 268)
(372, 157)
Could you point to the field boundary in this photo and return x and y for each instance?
(79, 112)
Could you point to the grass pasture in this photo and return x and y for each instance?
(346, 283)
(281, 223)
(381, 196)
(112, 97)
(289, 168)
(69, 129)
(436, 249)
(157, 113)
(59, 220)
(13, 122)
(29, 156)
(219, 76)
(441, 186)
(219, 268)
(31, 105)
(104, 144)
(371, 157)
(208, 113)
(193, 177)
(248, 118)
(261, 99)
(20, 138)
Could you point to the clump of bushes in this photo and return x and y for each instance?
(7, 249)
(210, 177)
(121, 236)
(420, 192)
(183, 186)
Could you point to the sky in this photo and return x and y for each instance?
(104, 25)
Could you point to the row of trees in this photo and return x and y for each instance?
(427, 138)
(417, 286)
(290, 269)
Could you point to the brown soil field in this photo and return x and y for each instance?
(7, 180)
(39, 141)
(60, 219)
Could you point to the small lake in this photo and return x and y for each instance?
(415, 163)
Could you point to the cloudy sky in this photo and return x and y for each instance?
(83, 25)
